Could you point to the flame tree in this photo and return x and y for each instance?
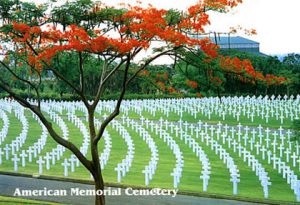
(35, 37)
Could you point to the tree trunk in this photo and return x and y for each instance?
(99, 185)
(97, 175)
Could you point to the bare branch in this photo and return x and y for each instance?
(81, 76)
(103, 81)
(121, 97)
(118, 105)
(21, 79)
(48, 125)
(147, 62)
(61, 77)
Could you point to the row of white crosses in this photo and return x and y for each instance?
(196, 148)
(150, 169)
(4, 130)
(249, 107)
(56, 153)
(124, 166)
(34, 150)
(73, 161)
(84, 131)
(248, 158)
(17, 143)
(227, 159)
(177, 171)
(256, 166)
(214, 145)
(20, 140)
(105, 154)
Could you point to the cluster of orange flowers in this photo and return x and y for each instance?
(216, 81)
(246, 72)
(192, 84)
(139, 27)
(219, 4)
(143, 24)
(274, 80)
(164, 76)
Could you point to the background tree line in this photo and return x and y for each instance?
(190, 76)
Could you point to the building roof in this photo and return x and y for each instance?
(224, 39)
(232, 40)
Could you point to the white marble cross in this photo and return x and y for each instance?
(205, 177)
(119, 170)
(15, 159)
(65, 164)
(1, 153)
(147, 171)
(40, 162)
(7, 149)
(23, 156)
(235, 180)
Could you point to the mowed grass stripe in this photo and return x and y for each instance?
(219, 181)
(14, 129)
(141, 159)
(249, 185)
(279, 190)
(165, 165)
(34, 133)
(214, 118)
(192, 167)
(76, 137)
(118, 152)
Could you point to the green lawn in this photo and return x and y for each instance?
(19, 201)
(219, 182)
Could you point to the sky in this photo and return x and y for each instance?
(276, 21)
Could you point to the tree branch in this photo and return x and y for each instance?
(21, 79)
(61, 77)
(81, 72)
(103, 82)
(117, 108)
(35, 109)
(124, 86)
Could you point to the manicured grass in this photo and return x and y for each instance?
(19, 201)
(219, 182)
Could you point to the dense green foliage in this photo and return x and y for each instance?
(190, 73)
(191, 68)
(175, 76)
